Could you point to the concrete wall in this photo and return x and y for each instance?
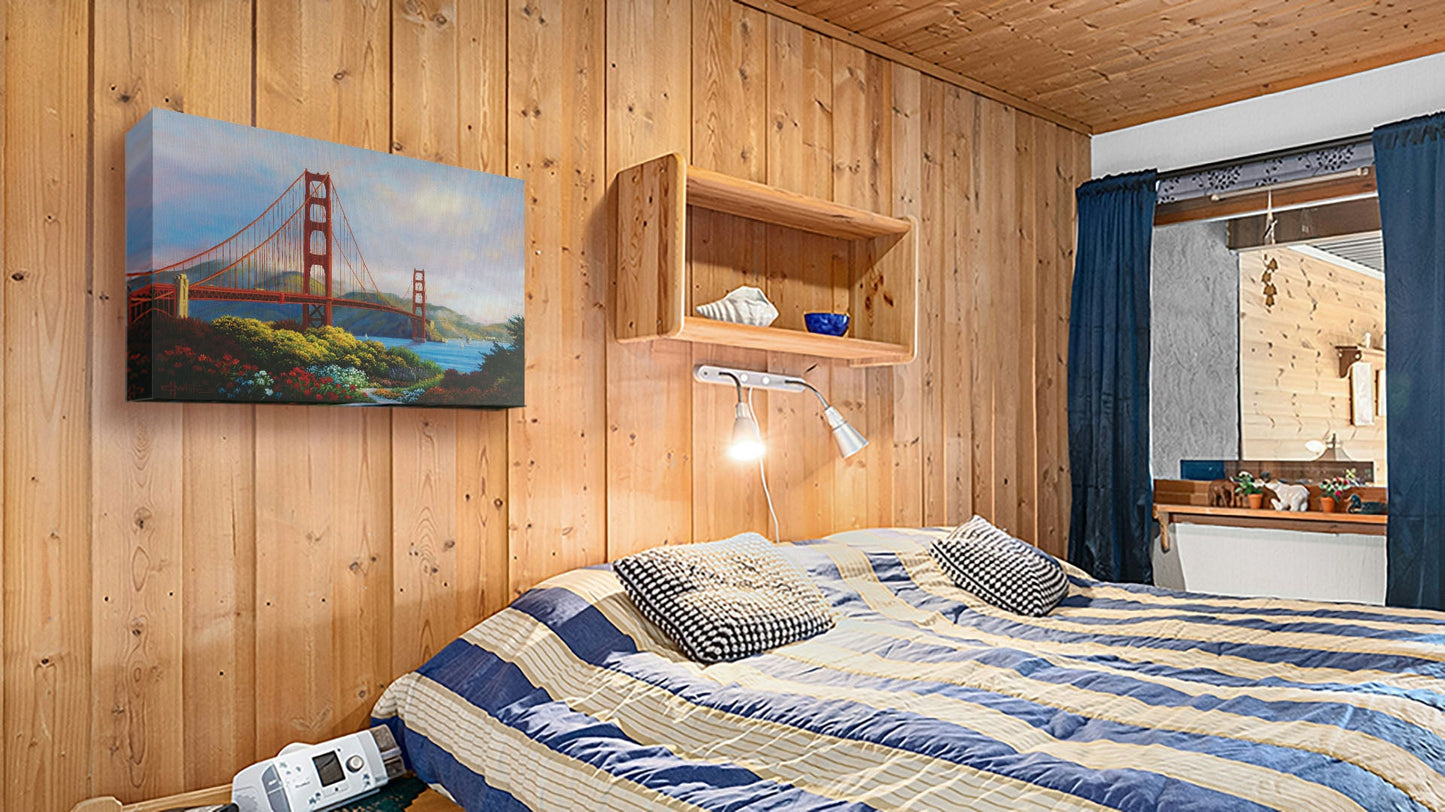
(1194, 363)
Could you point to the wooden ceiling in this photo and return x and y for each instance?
(1115, 63)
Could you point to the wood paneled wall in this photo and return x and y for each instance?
(1290, 389)
(187, 588)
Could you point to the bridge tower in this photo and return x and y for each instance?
(183, 296)
(316, 248)
(418, 304)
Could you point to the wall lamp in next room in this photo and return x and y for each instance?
(747, 441)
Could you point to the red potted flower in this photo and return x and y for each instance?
(1332, 489)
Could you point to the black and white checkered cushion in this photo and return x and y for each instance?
(725, 600)
(1008, 573)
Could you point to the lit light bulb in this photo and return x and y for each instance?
(747, 443)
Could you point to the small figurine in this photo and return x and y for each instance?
(1290, 497)
(1358, 505)
(1221, 493)
(1267, 277)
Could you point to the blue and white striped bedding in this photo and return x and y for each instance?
(923, 697)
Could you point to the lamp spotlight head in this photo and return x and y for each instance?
(747, 442)
(850, 440)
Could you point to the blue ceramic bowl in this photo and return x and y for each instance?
(829, 324)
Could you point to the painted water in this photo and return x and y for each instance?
(453, 354)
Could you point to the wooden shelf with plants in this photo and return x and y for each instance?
(688, 236)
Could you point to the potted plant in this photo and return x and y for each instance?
(1332, 489)
(1250, 488)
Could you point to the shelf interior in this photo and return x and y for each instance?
(768, 204)
(689, 236)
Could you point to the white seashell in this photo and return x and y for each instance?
(746, 305)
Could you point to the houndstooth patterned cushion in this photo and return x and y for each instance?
(1008, 573)
(725, 600)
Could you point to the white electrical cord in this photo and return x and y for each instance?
(763, 475)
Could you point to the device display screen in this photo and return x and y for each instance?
(328, 768)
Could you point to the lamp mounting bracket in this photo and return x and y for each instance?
(749, 378)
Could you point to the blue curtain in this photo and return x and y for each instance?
(1110, 529)
(1410, 171)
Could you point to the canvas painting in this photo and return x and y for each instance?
(265, 267)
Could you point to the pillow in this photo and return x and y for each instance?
(725, 600)
(1008, 573)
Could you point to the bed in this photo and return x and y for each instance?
(924, 697)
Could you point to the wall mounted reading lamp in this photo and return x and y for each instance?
(747, 441)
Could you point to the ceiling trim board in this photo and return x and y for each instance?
(1114, 64)
(921, 65)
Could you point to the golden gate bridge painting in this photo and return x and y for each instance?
(264, 267)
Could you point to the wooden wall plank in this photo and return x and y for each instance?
(481, 454)
(435, 585)
(800, 109)
(649, 385)
(985, 259)
(219, 654)
(1005, 271)
(935, 264)
(440, 52)
(137, 628)
(142, 557)
(966, 348)
(907, 384)
(323, 501)
(729, 134)
(802, 271)
(46, 408)
(557, 444)
(729, 105)
(1070, 168)
(481, 449)
(218, 475)
(4, 224)
(1049, 353)
(862, 176)
(1025, 270)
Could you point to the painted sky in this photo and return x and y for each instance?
(210, 178)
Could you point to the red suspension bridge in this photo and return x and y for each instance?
(298, 233)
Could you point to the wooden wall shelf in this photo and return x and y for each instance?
(870, 268)
(1308, 522)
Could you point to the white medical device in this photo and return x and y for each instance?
(318, 777)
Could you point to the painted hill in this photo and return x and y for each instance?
(444, 323)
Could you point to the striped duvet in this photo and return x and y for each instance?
(1125, 697)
